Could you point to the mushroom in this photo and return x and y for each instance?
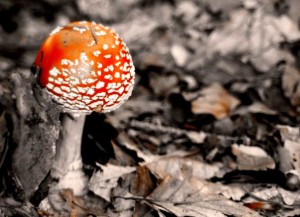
(84, 67)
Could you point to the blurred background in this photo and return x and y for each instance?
(212, 76)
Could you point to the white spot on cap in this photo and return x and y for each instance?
(111, 67)
(82, 89)
(56, 81)
(108, 77)
(126, 76)
(56, 30)
(87, 100)
(101, 94)
(65, 72)
(54, 71)
(92, 43)
(67, 62)
(74, 89)
(96, 53)
(72, 95)
(125, 66)
(50, 86)
(74, 80)
(80, 29)
(100, 84)
(84, 58)
(117, 75)
(100, 33)
(93, 73)
(99, 65)
(65, 88)
(91, 91)
(107, 56)
(105, 46)
(121, 90)
(112, 97)
(57, 90)
(95, 104)
(132, 70)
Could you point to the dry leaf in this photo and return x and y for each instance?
(75, 204)
(179, 54)
(176, 166)
(3, 138)
(291, 84)
(184, 196)
(102, 182)
(290, 152)
(142, 184)
(256, 107)
(256, 33)
(252, 158)
(274, 195)
(293, 213)
(214, 100)
(137, 30)
(124, 140)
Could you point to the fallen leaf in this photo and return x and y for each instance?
(75, 204)
(102, 182)
(256, 33)
(214, 100)
(3, 138)
(252, 158)
(274, 195)
(184, 166)
(291, 84)
(142, 183)
(183, 196)
(256, 107)
(179, 54)
(290, 152)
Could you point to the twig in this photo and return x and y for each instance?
(180, 132)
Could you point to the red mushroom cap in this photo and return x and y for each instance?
(86, 67)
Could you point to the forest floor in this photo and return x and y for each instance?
(212, 126)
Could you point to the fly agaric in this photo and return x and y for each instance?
(84, 67)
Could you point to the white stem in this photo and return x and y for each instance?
(67, 166)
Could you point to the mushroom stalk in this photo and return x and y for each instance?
(67, 166)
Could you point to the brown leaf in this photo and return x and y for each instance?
(143, 182)
(75, 204)
(214, 100)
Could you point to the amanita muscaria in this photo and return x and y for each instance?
(84, 67)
